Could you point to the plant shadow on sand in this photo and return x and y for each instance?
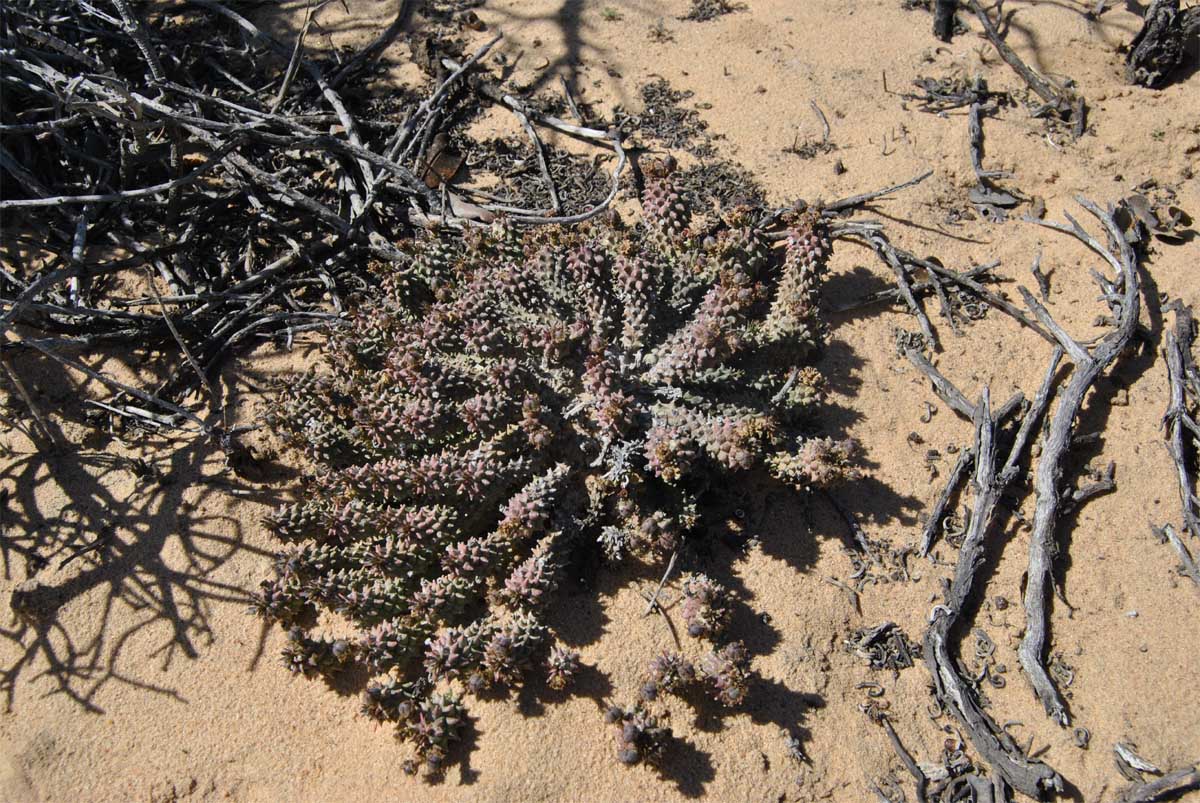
(102, 531)
(90, 527)
(755, 513)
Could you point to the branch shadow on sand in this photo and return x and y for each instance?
(112, 549)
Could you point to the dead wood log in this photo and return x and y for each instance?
(943, 18)
(1160, 48)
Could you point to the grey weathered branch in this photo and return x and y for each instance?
(1057, 99)
(1025, 774)
(1186, 561)
(1179, 421)
(944, 388)
(1171, 786)
(1089, 365)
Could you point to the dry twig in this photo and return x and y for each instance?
(1058, 100)
(1171, 786)
(1023, 773)
(1178, 419)
(1124, 297)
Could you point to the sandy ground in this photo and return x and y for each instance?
(150, 682)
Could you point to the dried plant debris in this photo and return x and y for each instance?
(1160, 48)
(1171, 786)
(809, 149)
(658, 32)
(704, 10)
(518, 397)
(712, 181)
(720, 185)
(1059, 101)
(1151, 210)
(878, 562)
(1182, 430)
(938, 95)
(989, 199)
(664, 119)
(884, 646)
(580, 182)
(451, 12)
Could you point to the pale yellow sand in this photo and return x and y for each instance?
(150, 686)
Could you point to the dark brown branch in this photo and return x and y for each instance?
(954, 483)
(856, 201)
(906, 759)
(867, 233)
(943, 19)
(984, 294)
(610, 138)
(121, 386)
(1161, 46)
(891, 257)
(127, 195)
(1043, 282)
(920, 289)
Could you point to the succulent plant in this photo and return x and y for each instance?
(434, 723)
(726, 672)
(308, 656)
(640, 737)
(562, 665)
(275, 600)
(514, 394)
(390, 700)
(705, 606)
(670, 673)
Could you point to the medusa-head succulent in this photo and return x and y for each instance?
(517, 394)
(640, 736)
(705, 606)
(670, 673)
